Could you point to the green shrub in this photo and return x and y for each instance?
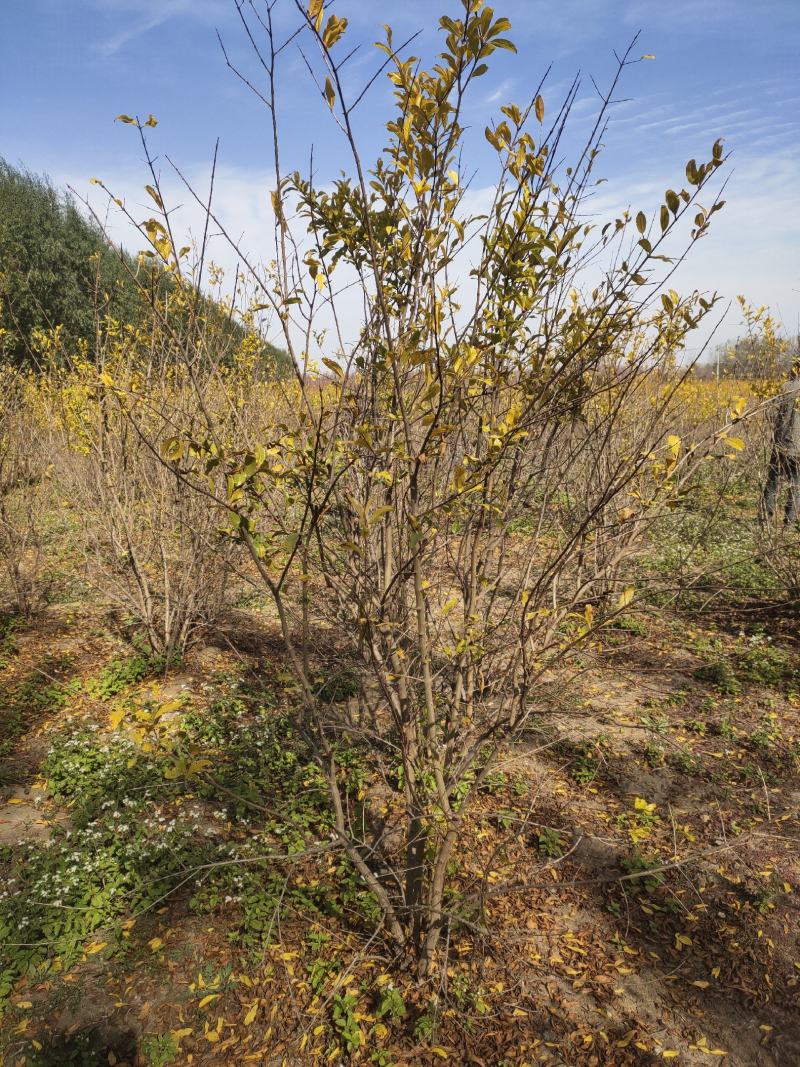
(95, 777)
(719, 674)
(123, 672)
(35, 696)
(764, 663)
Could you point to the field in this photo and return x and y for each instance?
(626, 881)
(399, 659)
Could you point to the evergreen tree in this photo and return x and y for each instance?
(55, 264)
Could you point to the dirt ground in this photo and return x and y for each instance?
(647, 763)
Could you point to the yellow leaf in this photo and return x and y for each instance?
(626, 596)
(116, 717)
(448, 607)
(125, 118)
(735, 442)
(151, 121)
(178, 1035)
(669, 1054)
(332, 365)
(333, 31)
(250, 1017)
(437, 1050)
(330, 93)
(24, 1004)
(95, 947)
(207, 1000)
(155, 944)
(539, 108)
(701, 985)
(648, 55)
(316, 12)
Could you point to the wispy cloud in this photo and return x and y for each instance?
(502, 90)
(137, 17)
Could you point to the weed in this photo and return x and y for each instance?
(122, 673)
(465, 996)
(764, 663)
(58, 894)
(127, 849)
(727, 729)
(425, 1024)
(96, 777)
(640, 821)
(587, 759)
(658, 723)
(345, 1023)
(160, 1049)
(685, 762)
(642, 868)
(767, 733)
(549, 842)
(41, 693)
(320, 971)
(719, 674)
(653, 754)
(391, 1004)
(381, 1058)
(494, 783)
(697, 726)
(9, 627)
(629, 624)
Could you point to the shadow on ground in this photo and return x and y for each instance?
(87, 1047)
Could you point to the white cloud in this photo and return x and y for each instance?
(137, 17)
(751, 248)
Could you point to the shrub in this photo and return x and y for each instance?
(400, 478)
(153, 542)
(24, 489)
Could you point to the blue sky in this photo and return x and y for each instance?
(724, 68)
